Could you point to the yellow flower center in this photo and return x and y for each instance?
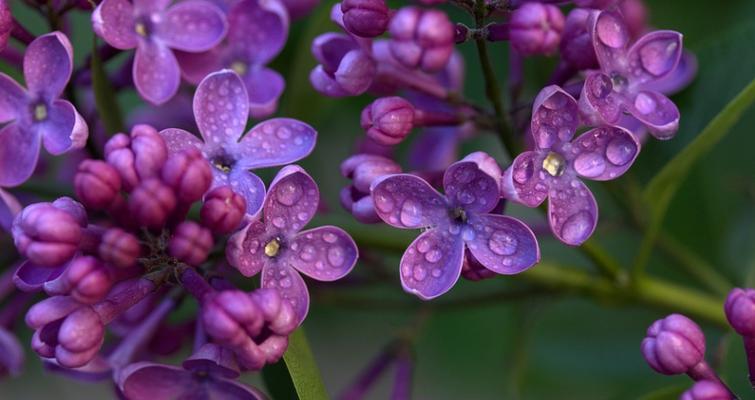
(141, 29)
(272, 248)
(40, 112)
(554, 163)
(239, 67)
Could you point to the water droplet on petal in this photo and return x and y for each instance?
(329, 237)
(502, 243)
(437, 272)
(419, 273)
(577, 227)
(468, 233)
(384, 203)
(307, 253)
(411, 213)
(302, 216)
(644, 103)
(590, 164)
(285, 283)
(433, 256)
(620, 150)
(335, 256)
(289, 193)
(611, 31)
(279, 222)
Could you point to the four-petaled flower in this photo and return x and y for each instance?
(36, 113)
(276, 245)
(155, 29)
(257, 31)
(553, 168)
(221, 108)
(460, 219)
(626, 82)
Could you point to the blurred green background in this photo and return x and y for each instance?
(546, 346)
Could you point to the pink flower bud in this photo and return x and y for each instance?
(190, 243)
(119, 248)
(536, 28)
(422, 38)
(223, 210)
(46, 235)
(137, 157)
(88, 278)
(151, 203)
(365, 18)
(388, 120)
(188, 174)
(97, 184)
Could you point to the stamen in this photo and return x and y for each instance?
(239, 67)
(272, 247)
(40, 112)
(554, 164)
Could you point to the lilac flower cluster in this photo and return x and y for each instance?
(676, 345)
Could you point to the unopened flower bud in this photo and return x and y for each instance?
(365, 18)
(576, 46)
(80, 336)
(46, 235)
(152, 203)
(97, 184)
(88, 278)
(136, 157)
(536, 28)
(119, 248)
(707, 390)
(388, 120)
(223, 210)
(188, 174)
(190, 243)
(740, 311)
(676, 345)
(421, 38)
(363, 169)
(73, 208)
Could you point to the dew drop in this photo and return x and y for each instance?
(577, 228)
(307, 253)
(384, 203)
(433, 256)
(279, 222)
(621, 150)
(285, 283)
(611, 31)
(289, 193)
(437, 272)
(411, 213)
(335, 256)
(644, 103)
(329, 237)
(590, 164)
(502, 243)
(419, 273)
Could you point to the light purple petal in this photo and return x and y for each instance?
(325, 83)
(434, 149)
(326, 253)
(156, 72)
(195, 66)
(192, 26)
(213, 359)
(64, 129)
(469, 187)
(503, 244)
(18, 154)
(356, 72)
(9, 207)
(245, 248)
(145, 380)
(12, 97)
(48, 63)
(258, 28)
(679, 78)
(432, 263)
(30, 277)
(11, 354)
(330, 48)
(572, 211)
(221, 107)
(610, 39)
(555, 117)
(144, 6)
(275, 142)
(657, 112)
(599, 103)
(605, 153)
(113, 20)
(265, 87)
(409, 202)
(178, 140)
(245, 183)
(290, 286)
(654, 56)
(291, 201)
(522, 181)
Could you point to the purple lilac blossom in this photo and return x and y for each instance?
(156, 28)
(278, 247)
(257, 31)
(363, 169)
(557, 162)
(625, 81)
(221, 108)
(461, 219)
(36, 114)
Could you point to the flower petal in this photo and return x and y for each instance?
(12, 97)
(178, 140)
(679, 78)
(196, 66)
(192, 26)
(469, 187)
(291, 201)
(18, 154)
(30, 277)
(434, 149)
(325, 83)
(228, 389)
(275, 142)
(409, 202)
(598, 103)
(290, 286)
(144, 380)
(555, 117)
(156, 72)
(48, 63)
(258, 28)
(610, 38)
(11, 353)
(605, 153)
(432, 263)
(265, 87)
(330, 48)
(522, 181)
(113, 21)
(326, 253)
(221, 107)
(245, 249)
(245, 183)
(146, 6)
(9, 207)
(657, 112)
(572, 212)
(654, 56)
(64, 129)
(503, 244)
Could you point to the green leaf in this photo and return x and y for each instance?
(278, 381)
(302, 368)
(107, 106)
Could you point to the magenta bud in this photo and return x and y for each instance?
(223, 210)
(674, 345)
(188, 174)
(79, 338)
(276, 310)
(97, 184)
(46, 235)
(73, 208)
(536, 28)
(231, 317)
(88, 278)
(576, 45)
(740, 311)
(119, 155)
(388, 120)
(363, 169)
(136, 157)
(119, 248)
(707, 390)
(365, 18)
(422, 38)
(151, 203)
(190, 243)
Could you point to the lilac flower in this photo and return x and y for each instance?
(365, 18)
(36, 114)
(346, 68)
(625, 81)
(554, 167)
(155, 29)
(276, 245)
(221, 107)
(536, 28)
(257, 31)
(222, 210)
(460, 219)
(363, 169)
(207, 374)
